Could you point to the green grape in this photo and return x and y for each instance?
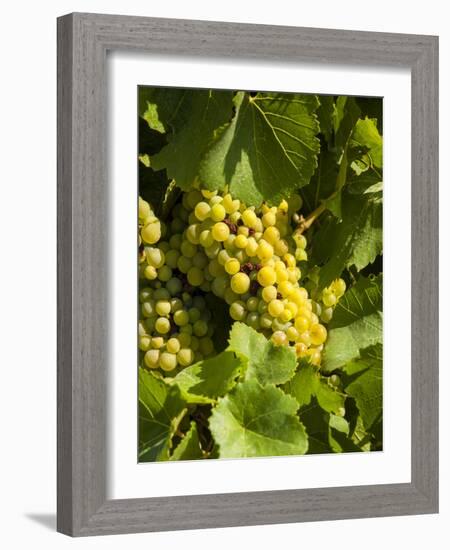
(150, 273)
(213, 250)
(193, 233)
(168, 361)
(238, 311)
(184, 339)
(150, 323)
(195, 276)
(279, 338)
(172, 258)
(240, 283)
(145, 294)
(148, 309)
(164, 246)
(232, 266)
(194, 314)
(195, 343)
(164, 273)
(220, 232)
(144, 209)
(174, 286)
(252, 320)
(265, 320)
(200, 260)
(151, 358)
(215, 268)
(144, 342)
(200, 328)
(185, 357)
(161, 294)
(267, 276)
(175, 241)
(326, 315)
(162, 307)
(218, 213)
(230, 296)
(206, 346)
(162, 325)
(206, 239)
(223, 257)
(181, 318)
(157, 342)
(220, 284)
(202, 211)
(184, 264)
(175, 304)
(177, 225)
(252, 303)
(151, 233)
(188, 249)
(173, 345)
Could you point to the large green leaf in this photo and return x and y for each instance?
(207, 380)
(190, 118)
(255, 420)
(364, 382)
(161, 409)
(268, 363)
(356, 240)
(269, 149)
(308, 383)
(357, 324)
(189, 447)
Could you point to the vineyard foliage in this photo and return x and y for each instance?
(249, 395)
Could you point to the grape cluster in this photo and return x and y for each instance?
(175, 326)
(248, 257)
(326, 300)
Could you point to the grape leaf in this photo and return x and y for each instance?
(308, 383)
(161, 409)
(190, 118)
(268, 150)
(209, 379)
(189, 447)
(316, 422)
(354, 241)
(255, 420)
(364, 382)
(357, 324)
(268, 363)
(368, 145)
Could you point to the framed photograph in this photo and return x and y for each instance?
(247, 274)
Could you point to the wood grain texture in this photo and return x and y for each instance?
(83, 40)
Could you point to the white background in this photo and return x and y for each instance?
(28, 267)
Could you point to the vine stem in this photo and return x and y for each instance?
(306, 223)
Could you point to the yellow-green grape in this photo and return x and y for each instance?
(173, 345)
(269, 293)
(154, 256)
(285, 288)
(162, 325)
(188, 249)
(266, 276)
(264, 250)
(275, 307)
(144, 209)
(301, 323)
(252, 320)
(164, 273)
(218, 213)
(150, 273)
(249, 218)
(151, 358)
(181, 318)
(157, 342)
(220, 231)
(200, 328)
(318, 334)
(286, 315)
(265, 320)
(206, 239)
(185, 357)
(252, 247)
(240, 283)
(193, 233)
(195, 276)
(238, 311)
(202, 211)
(162, 307)
(339, 287)
(329, 299)
(232, 266)
(269, 219)
(271, 235)
(171, 258)
(151, 233)
(252, 303)
(292, 334)
(241, 241)
(168, 361)
(326, 314)
(148, 309)
(279, 338)
(144, 342)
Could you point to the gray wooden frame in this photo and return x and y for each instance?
(83, 40)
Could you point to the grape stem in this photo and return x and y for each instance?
(305, 223)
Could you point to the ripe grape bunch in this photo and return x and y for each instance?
(244, 255)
